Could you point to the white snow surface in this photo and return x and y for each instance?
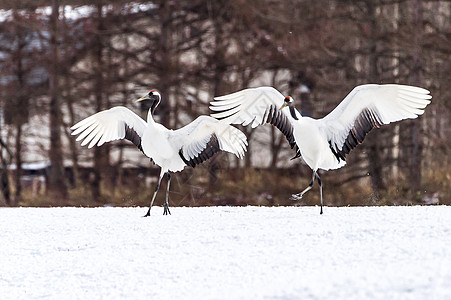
(226, 253)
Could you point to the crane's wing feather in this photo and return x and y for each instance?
(205, 136)
(256, 106)
(369, 106)
(109, 125)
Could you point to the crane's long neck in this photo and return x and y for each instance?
(150, 119)
(155, 102)
(293, 112)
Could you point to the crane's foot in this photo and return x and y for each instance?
(296, 197)
(147, 214)
(166, 209)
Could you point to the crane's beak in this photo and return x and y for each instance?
(146, 97)
(283, 106)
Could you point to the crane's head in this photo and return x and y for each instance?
(286, 102)
(153, 96)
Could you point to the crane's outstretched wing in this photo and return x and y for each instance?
(256, 106)
(109, 125)
(369, 106)
(202, 138)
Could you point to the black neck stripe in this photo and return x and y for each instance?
(293, 112)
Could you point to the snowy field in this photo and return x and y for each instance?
(226, 253)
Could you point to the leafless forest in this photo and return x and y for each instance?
(61, 61)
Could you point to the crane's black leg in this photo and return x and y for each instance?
(299, 196)
(320, 193)
(154, 195)
(166, 204)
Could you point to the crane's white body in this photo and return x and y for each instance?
(323, 143)
(160, 149)
(315, 153)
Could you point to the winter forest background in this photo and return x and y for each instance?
(61, 61)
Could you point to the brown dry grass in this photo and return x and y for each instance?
(260, 187)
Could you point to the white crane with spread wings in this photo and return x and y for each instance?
(323, 143)
(172, 150)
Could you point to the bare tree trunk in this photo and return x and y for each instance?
(4, 180)
(416, 152)
(19, 116)
(18, 159)
(57, 184)
(375, 145)
(101, 154)
(165, 61)
(218, 75)
(4, 183)
(72, 143)
(119, 170)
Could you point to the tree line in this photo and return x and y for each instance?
(61, 62)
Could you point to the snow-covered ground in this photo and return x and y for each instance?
(226, 253)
